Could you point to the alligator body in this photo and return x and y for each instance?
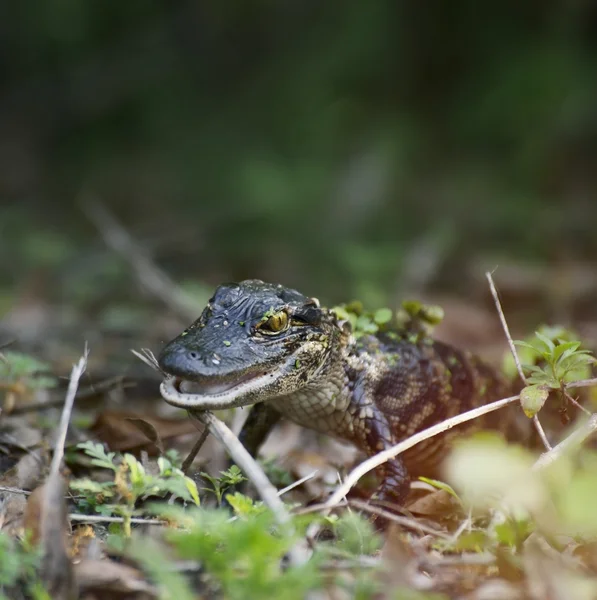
(274, 348)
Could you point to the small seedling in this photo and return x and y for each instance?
(131, 484)
(551, 360)
(227, 479)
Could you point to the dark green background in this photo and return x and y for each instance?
(336, 146)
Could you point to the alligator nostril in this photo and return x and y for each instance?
(193, 355)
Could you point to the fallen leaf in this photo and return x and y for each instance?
(123, 431)
(105, 579)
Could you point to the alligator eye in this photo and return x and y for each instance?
(275, 323)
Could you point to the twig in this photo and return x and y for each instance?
(71, 393)
(103, 519)
(582, 383)
(365, 507)
(576, 438)
(400, 520)
(88, 392)
(14, 490)
(56, 567)
(188, 461)
(506, 329)
(382, 457)
(252, 470)
(575, 402)
(466, 558)
(148, 274)
(319, 507)
(297, 483)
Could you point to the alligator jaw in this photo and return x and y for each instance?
(213, 395)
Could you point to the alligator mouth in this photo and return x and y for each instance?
(214, 393)
(212, 386)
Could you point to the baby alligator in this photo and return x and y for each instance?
(281, 352)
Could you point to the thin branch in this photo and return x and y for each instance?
(148, 274)
(88, 392)
(71, 393)
(319, 507)
(576, 403)
(379, 459)
(56, 570)
(188, 461)
(400, 520)
(575, 439)
(14, 490)
(104, 519)
(582, 383)
(297, 483)
(253, 472)
(506, 329)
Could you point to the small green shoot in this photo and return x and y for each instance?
(227, 479)
(550, 360)
(19, 564)
(412, 319)
(21, 374)
(131, 484)
(242, 558)
(440, 485)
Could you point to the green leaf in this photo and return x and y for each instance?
(232, 476)
(548, 343)
(382, 316)
(99, 455)
(86, 485)
(565, 349)
(192, 488)
(532, 399)
(440, 485)
(137, 472)
(244, 506)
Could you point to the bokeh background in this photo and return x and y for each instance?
(350, 149)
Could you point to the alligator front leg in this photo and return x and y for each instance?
(259, 423)
(394, 479)
(394, 484)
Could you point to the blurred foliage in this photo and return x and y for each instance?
(303, 142)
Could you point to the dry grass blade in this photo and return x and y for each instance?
(148, 357)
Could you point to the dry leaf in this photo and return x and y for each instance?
(104, 579)
(122, 431)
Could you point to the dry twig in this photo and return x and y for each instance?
(380, 458)
(506, 329)
(269, 494)
(148, 274)
(46, 508)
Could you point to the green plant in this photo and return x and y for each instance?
(131, 484)
(413, 318)
(227, 479)
(21, 374)
(242, 558)
(551, 360)
(19, 563)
